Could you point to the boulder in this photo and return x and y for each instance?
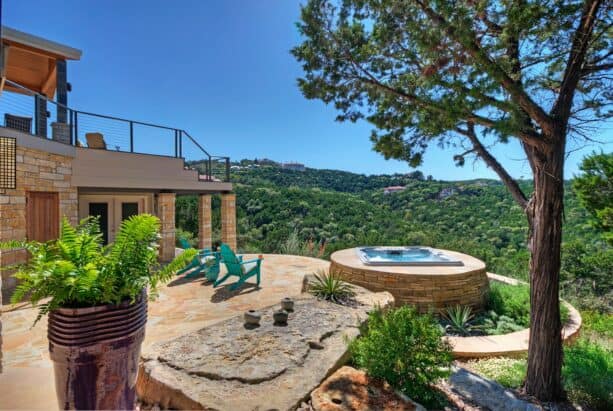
(349, 389)
(227, 366)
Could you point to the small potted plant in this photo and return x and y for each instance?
(96, 298)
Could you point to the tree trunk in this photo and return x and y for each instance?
(545, 212)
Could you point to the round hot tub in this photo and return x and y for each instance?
(426, 286)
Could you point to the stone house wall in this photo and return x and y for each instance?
(35, 171)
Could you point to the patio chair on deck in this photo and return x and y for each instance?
(95, 140)
(238, 268)
(206, 262)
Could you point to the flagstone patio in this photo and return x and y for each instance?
(183, 306)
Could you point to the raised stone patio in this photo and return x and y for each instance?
(183, 306)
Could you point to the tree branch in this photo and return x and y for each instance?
(529, 137)
(514, 188)
(576, 59)
(513, 87)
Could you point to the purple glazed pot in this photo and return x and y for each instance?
(95, 353)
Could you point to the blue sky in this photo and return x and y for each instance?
(222, 71)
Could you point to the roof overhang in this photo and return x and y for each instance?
(40, 45)
(31, 61)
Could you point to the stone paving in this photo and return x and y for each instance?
(184, 305)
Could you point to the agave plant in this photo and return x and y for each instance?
(330, 287)
(76, 270)
(459, 320)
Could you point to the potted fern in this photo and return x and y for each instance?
(96, 298)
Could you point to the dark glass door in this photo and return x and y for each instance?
(128, 210)
(101, 210)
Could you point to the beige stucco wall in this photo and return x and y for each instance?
(112, 169)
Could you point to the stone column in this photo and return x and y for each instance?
(166, 214)
(205, 227)
(228, 219)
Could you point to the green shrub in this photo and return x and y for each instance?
(510, 300)
(405, 349)
(187, 236)
(330, 287)
(494, 324)
(598, 323)
(458, 320)
(76, 270)
(588, 374)
(509, 372)
(513, 301)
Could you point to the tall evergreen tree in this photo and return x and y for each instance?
(473, 73)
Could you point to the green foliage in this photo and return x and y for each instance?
(459, 321)
(418, 70)
(77, 271)
(598, 323)
(587, 372)
(509, 372)
(292, 245)
(477, 217)
(594, 187)
(494, 324)
(510, 300)
(405, 349)
(585, 277)
(187, 236)
(330, 287)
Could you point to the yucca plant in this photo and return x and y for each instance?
(459, 320)
(77, 271)
(330, 287)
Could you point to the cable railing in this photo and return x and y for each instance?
(34, 113)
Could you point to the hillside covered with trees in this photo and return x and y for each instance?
(316, 212)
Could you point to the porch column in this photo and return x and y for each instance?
(228, 219)
(166, 214)
(205, 228)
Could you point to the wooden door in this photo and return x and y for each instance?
(42, 216)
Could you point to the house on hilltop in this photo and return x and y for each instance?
(293, 166)
(393, 189)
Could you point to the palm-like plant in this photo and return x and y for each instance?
(76, 270)
(330, 287)
(459, 320)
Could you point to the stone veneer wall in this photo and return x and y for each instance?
(228, 219)
(205, 227)
(425, 292)
(166, 214)
(36, 171)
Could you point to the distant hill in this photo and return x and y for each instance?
(320, 211)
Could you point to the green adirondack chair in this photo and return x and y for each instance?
(238, 268)
(206, 262)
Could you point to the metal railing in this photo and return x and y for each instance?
(38, 115)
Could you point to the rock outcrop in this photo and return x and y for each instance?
(349, 389)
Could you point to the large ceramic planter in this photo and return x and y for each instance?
(95, 353)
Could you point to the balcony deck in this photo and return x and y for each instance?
(116, 170)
